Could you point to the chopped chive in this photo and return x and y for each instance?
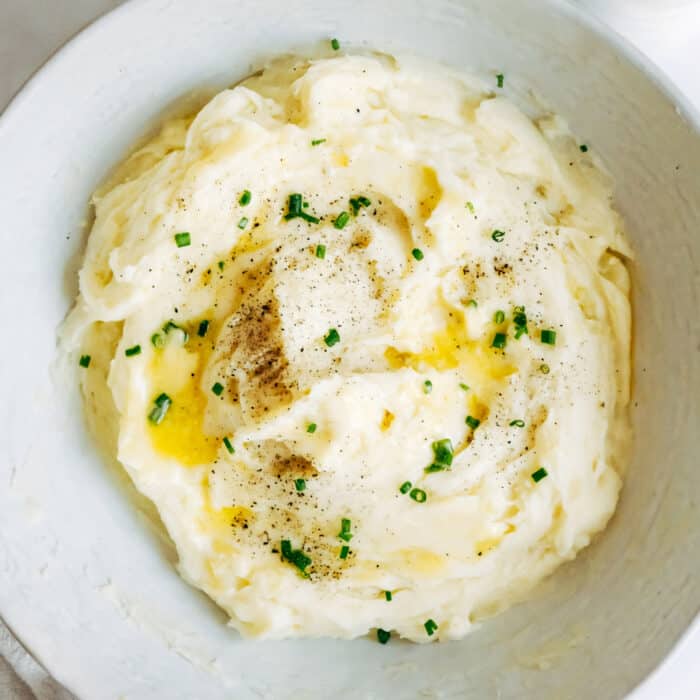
(417, 253)
(584, 148)
(243, 222)
(443, 451)
(296, 210)
(382, 635)
(405, 487)
(182, 239)
(432, 468)
(548, 337)
(331, 338)
(320, 251)
(318, 142)
(517, 423)
(218, 389)
(544, 369)
(519, 321)
(499, 341)
(311, 428)
(427, 386)
(356, 203)
(471, 302)
(344, 551)
(418, 495)
(470, 206)
(539, 474)
(341, 220)
(463, 386)
(388, 596)
(430, 627)
(162, 404)
(157, 340)
(85, 361)
(345, 525)
(172, 326)
(335, 44)
(472, 422)
(227, 444)
(221, 264)
(134, 350)
(498, 236)
(245, 198)
(203, 328)
(300, 484)
(499, 317)
(294, 556)
(499, 80)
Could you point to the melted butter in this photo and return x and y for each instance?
(423, 561)
(450, 349)
(177, 371)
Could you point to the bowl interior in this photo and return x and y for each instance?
(93, 591)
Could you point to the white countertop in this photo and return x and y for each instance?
(668, 31)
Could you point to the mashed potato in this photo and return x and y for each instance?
(361, 329)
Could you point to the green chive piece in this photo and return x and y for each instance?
(430, 627)
(300, 484)
(432, 468)
(344, 551)
(218, 389)
(157, 340)
(345, 525)
(443, 451)
(296, 209)
(388, 596)
(517, 423)
(221, 264)
(171, 326)
(471, 302)
(203, 328)
(405, 487)
(331, 338)
(295, 557)
(498, 236)
(418, 495)
(245, 198)
(463, 386)
(584, 148)
(243, 222)
(162, 404)
(470, 206)
(519, 321)
(182, 239)
(382, 635)
(417, 253)
(227, 444)
(539, 474)
(341, 220)
(499, 317)
(356, 203)
(548, 337)
(472, 422)
(427, 386)
(499, 80)
(544, 369)
(85, 361)
(134, 350)
(320, 251)
(335, 44)
(311, 428)
(318, 142)
(499, 341)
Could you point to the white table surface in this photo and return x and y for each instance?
(668, 31)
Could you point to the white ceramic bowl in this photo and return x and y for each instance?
(85, 580)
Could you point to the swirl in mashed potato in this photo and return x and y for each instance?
(362, 329)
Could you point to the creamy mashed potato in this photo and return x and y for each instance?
(361, 331)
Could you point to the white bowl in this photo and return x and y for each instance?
(89, 585)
